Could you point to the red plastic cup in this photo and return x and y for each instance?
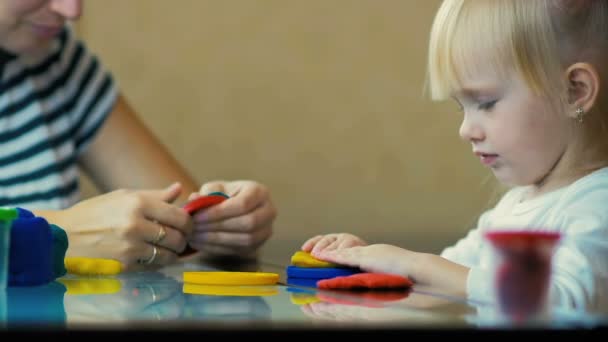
(523, 271)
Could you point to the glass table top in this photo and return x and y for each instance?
(160, 300)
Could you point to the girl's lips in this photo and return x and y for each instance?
(487, 158)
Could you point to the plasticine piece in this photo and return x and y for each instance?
(218, 193)
(319, 273)
(93, 266)
(8, 214)
(60, 247)
(366, 281)
(304, 282)
(204, 202)
(31, 252)
(60, 243)
(24, 213)
(230, 278)
(198, 204)
(304, 259)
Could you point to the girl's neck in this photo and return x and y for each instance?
(550, 184)
(587, 153)
(561, 177)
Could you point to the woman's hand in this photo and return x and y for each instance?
(134, 227)
(239, 225)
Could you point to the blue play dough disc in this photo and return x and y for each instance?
(305, 282)
(319, 272)
(218, 193)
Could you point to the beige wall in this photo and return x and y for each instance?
(320, 99)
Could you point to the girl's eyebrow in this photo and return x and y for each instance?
(466, 92)
(474, 93)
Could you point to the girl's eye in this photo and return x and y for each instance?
(487, 105)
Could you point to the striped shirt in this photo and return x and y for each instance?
(50, 110)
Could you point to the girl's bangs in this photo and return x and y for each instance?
(469, 36)
(464, 41)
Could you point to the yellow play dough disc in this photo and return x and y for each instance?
(304, 259)
(92, 266)
(230, 278)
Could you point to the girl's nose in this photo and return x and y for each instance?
(470, 129)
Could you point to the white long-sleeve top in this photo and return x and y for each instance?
(579, 278)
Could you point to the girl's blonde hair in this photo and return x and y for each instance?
(535, 38)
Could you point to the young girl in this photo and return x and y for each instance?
(530, 79)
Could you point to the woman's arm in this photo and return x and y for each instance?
(126, 154)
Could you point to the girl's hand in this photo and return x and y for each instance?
(321, 243)
(378, 258)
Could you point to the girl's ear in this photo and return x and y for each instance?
(583, 87)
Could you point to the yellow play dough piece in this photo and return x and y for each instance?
(304, 259)
(92, 266)
(88, 286)
(229, 290)
(230, 278)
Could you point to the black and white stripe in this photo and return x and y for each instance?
(50, 110)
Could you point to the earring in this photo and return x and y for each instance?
(580, 112)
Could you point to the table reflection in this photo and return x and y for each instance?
(155, 296)
(150, 297)
(33, 305)
(373, 306)
(133, 296)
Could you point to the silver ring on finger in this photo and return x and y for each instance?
(162, 232)
(151, 259)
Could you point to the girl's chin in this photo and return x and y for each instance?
(506, 179)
